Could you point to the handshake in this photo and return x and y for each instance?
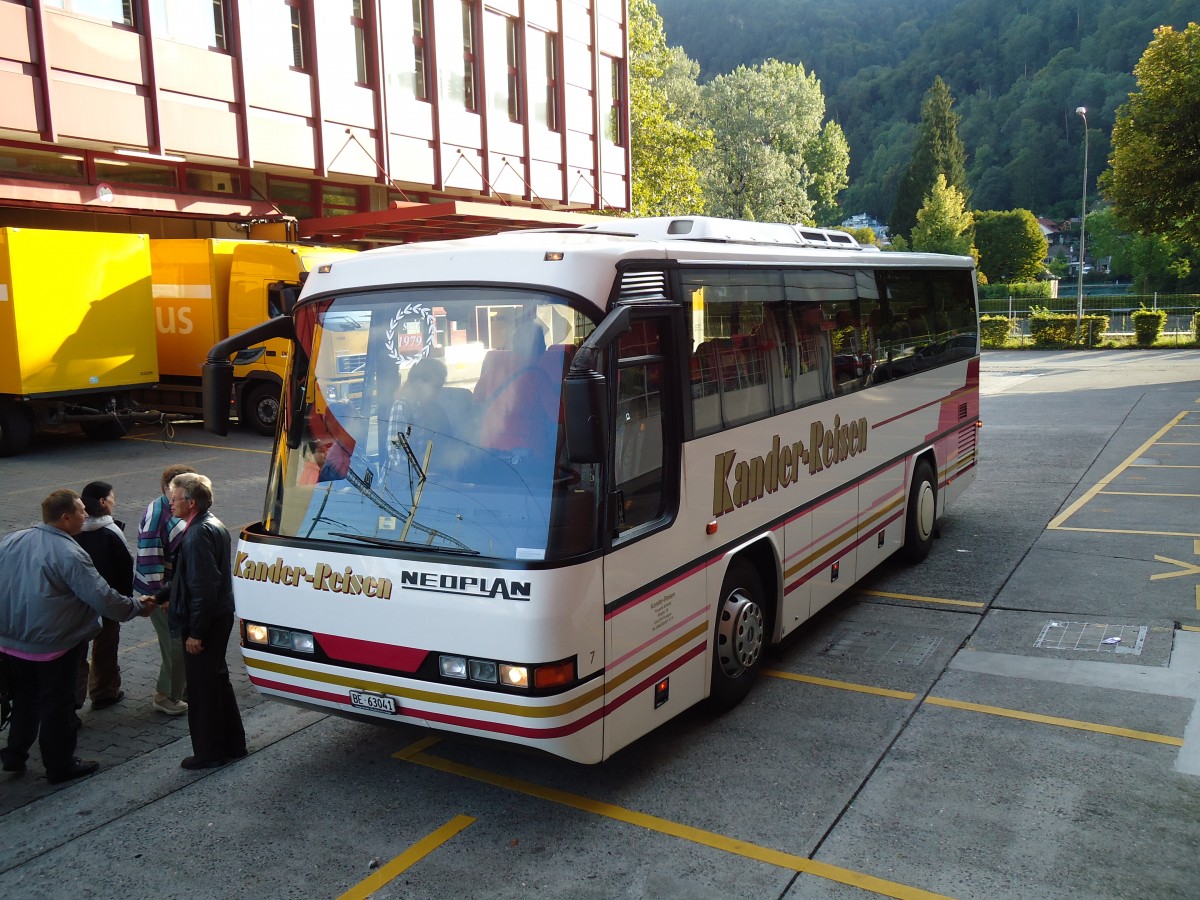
(148, 603)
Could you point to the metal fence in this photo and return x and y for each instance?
(1180, 309)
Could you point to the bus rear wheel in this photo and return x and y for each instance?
(921, 518)
(739, 636)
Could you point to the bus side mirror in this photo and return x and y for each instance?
(586, 401)
(218, 384)
(585, 392)
(218, 370)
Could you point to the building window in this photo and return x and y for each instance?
(198, 23)
(359, 21)
(502, 49)
(468, 75)
(420, 85)
(137, 173)
(339, 199)
(543, 88)
(16, 162)
(291, 197)
(611, 100)
(297, 20)
(118, 11)
(213, 181)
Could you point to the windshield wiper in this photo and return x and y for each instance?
(396, 542)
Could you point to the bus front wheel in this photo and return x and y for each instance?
(921, 518)
(739, 637)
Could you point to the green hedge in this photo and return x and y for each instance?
(1196, 327)
(1050, 329)
(1148, 325)
(1029, 290)
(994, 330)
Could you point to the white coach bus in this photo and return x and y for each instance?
(556, 487)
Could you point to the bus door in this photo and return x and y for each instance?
(647, 618)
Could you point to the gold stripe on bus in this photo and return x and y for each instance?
(658, 656)
(379, 687)
(849, 534)
(492, 706)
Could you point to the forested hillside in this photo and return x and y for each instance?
(1017, 70)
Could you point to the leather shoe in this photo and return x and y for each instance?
(15, 766)
(111, 701)
(196, 762)
(77, 769)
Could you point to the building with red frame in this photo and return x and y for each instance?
(368, 120)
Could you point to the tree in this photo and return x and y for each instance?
(1154, 262)
(939, 151)
(1011, 245)
(944, 225)
(667, 140)
(773, 159)
(1153, 182)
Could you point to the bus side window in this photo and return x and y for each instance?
(638, 433)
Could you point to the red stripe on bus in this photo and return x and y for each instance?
(371, 653)
(483, 725)
(821, 566)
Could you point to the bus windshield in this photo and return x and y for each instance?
(430, 419)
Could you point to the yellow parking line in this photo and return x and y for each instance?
(1055, 720)
(745, 849)
(841, 685)
(1057, 521)
(1143, 494)
(1191, 534)
(974, 604)
(1158, 466)
(175, 443)
(409, 857)
(1178, 444)
(991, 710)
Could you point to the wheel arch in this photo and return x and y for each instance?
(928, 455)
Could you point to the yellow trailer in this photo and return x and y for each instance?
(76, 330)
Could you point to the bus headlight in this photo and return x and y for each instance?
(514, 676)
(278, 638)
(453, 666)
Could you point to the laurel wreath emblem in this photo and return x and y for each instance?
(406, 312)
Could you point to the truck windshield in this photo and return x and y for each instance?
(430, 419)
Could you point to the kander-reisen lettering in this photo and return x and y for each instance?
(738, 482)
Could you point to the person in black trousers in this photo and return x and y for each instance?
(103, 537)
(201, 616)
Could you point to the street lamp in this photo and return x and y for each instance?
(1082, 113)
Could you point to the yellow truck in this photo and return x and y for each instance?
(106, 330)
(204, 291)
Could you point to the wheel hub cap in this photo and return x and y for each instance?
(739, 634)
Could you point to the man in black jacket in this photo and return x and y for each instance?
(201, 616)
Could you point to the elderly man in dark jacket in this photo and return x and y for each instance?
(201, 616)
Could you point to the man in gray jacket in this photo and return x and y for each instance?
(50, 606)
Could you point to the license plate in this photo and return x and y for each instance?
(374, 702)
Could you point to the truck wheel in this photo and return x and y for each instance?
(260, 407)
(16, 429)
(739, 636)
(921, 517)
(110, 428)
